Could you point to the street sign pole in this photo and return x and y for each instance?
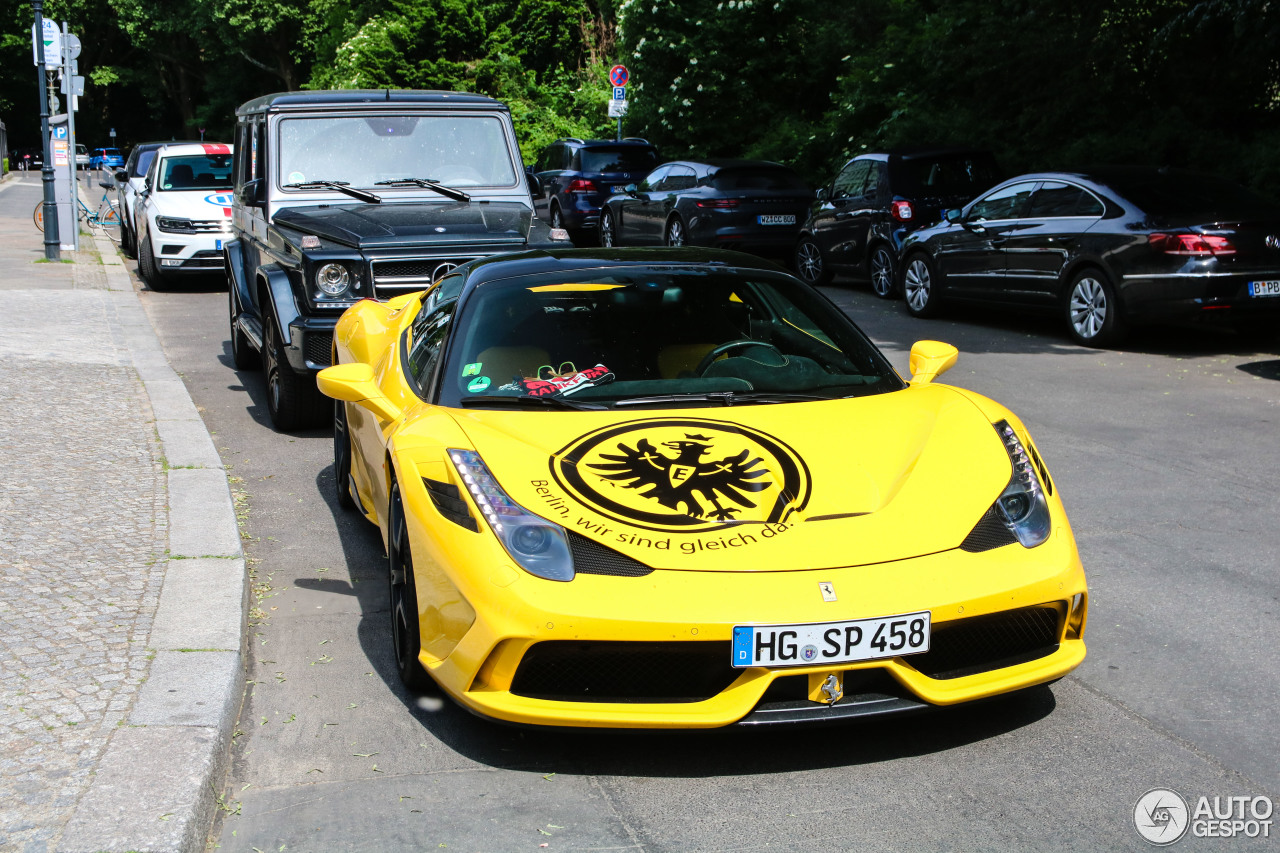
(52, 249)
(68, 75)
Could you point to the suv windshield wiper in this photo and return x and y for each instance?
(529, 402)
(340, 186)
(726, 398)
(427, 184)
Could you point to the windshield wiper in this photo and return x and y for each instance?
(340, 186)
(426, 184)
(531, 402)
(726, 398)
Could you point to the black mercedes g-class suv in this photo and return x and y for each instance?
(356, 194)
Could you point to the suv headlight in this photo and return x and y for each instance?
(539, 546)
(1022, 505)
(333, 279)
(175, 225)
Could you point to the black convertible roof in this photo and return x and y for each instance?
(366, 99)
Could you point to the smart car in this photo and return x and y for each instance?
(183, 214)
(679, 488)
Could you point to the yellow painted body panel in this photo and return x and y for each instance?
(872, 495)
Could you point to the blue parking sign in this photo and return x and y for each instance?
(619, 93)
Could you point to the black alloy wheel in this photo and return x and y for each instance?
(1093, 312)
(675, 232)
(607, 235)
(809, 262)
(342, 456)
(242, 354)
(406, 641)
(293, 402)
(881, 272)
(147, 266)
(920, 286)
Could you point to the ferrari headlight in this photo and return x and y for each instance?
(1022, 505)
(539, 546)
(333, 279)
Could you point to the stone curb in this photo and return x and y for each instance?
(155, 789)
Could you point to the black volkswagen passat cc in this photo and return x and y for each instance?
(1106, 248)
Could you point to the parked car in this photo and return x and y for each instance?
(750, 205)
(82, 156)
(860, 219)
(354, 194)
(182, 216)
(106, 158)
(1106, 248)
(574, 177)
(606, 504)
(129, 181)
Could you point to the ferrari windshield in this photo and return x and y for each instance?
(632, 336)
(366, 151)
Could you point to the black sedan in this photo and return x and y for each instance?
(1106, 248)
(750, 205)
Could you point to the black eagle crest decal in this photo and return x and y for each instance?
(686, 480)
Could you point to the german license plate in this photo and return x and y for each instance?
(777, 219)
(1264, 288)
(831, 642)
(218, 245)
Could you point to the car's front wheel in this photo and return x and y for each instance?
(881, 270)
(809, 263)
(342, 456)
(147, 266)
(406, 641)
(293, 401)
(608, 234)
(1093, 312)
(920, 286)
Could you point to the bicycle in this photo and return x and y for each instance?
(106, 216)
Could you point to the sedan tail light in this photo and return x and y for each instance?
(1196, 245)
(719, 202)
(581, 186)
(902, 211)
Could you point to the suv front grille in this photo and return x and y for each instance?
(405, 275)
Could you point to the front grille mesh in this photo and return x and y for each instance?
(983, 643)
(592, 558)
(574, 671)
(990, 532)
(394, 277)
(319, 347)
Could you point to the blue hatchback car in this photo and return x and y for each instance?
(106, 158)
(573, 178)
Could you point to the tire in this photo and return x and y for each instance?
(557, 221)
(920, 284)
(37, 216)
(147, 266)
(1092, 310)
(674, 235)
(342, 456)
(293, 401)
(127, 243)
(881, 271)
(809, 263)
(242, 354)
(111, 217)
(406, 640)
(608, 234)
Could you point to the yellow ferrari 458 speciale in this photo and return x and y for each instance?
(680, 488)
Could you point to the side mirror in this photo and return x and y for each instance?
(250, 193)
(353, 383)
(630, 189)
(122, 176)
(929, 360)
(954, 214)
(822, 194)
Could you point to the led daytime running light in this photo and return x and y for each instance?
(1022, 505)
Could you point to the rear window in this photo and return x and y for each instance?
(111, 152)
(624, 158)
(758, 179)
(947, 175)
(1189, 194)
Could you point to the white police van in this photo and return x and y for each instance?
(183, 213)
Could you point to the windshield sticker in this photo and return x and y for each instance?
(472, 369)
(480, 383)
(564, 381)
(685, 475)
(297, 178)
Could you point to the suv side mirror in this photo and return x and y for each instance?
(630, 189)
(821, 194)
(250, 193)
(122, 176)
(954, 214)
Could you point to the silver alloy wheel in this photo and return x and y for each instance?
(675, 233)
(1088, 307)
(606, 230)
(809, 261)
(882, 272)
(918, 284)
(556, 221)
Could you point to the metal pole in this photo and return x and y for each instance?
(619, 138)
(52, 249)
(70, 89)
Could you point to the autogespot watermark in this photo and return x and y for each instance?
(1162, 816)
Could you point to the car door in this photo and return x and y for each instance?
(971, 256)
(632, 228)
(1046, 238)
(840, 224)
(678, 182)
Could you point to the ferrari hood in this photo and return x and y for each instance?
(758, 488)
(412, 224)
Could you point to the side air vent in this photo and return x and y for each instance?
(592, 558)
(989, 533)
(450, 503)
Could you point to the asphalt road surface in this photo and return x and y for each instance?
(1166, 457)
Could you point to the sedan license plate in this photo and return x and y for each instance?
(1264, 288)
(777, 219)
(831, 642)
(218, 245)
